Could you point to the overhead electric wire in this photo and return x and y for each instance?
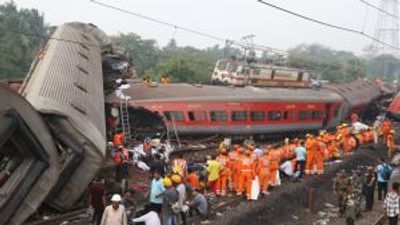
(351, 30)
(379, 9)
(238, 43)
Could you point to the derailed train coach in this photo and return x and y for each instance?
(52, 135)
(204, 109)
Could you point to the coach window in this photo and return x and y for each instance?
(218, 116)
(197, 116)
(239, 115)
(304, 115)
(256, 72)
(174, 115)
(316, 115)
(257, 115)
(287, 115)
(274, 115)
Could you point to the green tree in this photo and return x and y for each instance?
(21, 33)
(326, 63)
(144, 53)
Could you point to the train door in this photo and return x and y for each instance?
(327, 115)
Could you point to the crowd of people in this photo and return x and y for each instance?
(180, 188)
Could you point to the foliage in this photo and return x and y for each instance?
(21, 33)
(384, 66)
(326, 63)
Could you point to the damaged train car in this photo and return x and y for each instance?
(52, 135)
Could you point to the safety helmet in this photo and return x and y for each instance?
(176, 179)
(286, 140)
(167, 182)
(392, 131)
(116, 198)
(308, 135)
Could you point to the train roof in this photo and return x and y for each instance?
(356, 93)
(181, 92)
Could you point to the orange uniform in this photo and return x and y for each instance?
(333, 150)
(193, 180)
(246, 168)
(263, 172)
(276, 157)
(385, 129)
(349, 143)
(118, 139)
(314, 156)
(233, 165)
(390, 145)
(223, 175)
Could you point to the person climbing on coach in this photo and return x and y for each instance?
(246, 170)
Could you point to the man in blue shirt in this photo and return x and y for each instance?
(381, 171)
(157, 188)
(300, 152)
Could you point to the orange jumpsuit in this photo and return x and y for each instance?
(118, 139)
(333, 150)
(385, 129)
(263, 172)
(232, 164)
(223, 174)
(246, 170)
(193, 180)
(314, 157)
(276, 157)
(390, 145)
(348, 145)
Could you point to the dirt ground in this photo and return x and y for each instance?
(290, 204)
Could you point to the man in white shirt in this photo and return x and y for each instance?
(287, 168)
(114, 214)
(150, 218)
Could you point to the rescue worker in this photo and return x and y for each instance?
(246, 170)
(235, 159)
(287, 149)
(118, 139)
(222, 159)
(349, 143)
(314, 155)
(263, 172)
(341, 188)
(179, 166)
(390, 143)
(386, 128)
(333, 151)
(275, 159)
(213, 169)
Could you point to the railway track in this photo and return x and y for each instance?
(380, 220)
(62, 218)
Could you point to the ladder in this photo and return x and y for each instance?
(126, 127)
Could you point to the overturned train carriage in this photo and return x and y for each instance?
(52, 143)
(202, 109)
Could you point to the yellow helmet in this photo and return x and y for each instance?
(392, 131)
(176, 179)
(167, 182)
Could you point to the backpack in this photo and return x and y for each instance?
(386, 172)
(118, 158)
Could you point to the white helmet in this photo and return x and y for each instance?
(116, 198)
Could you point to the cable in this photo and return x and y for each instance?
(328, 24)
(379, 9)
(237, 43)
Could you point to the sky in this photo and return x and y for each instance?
(229, 19)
